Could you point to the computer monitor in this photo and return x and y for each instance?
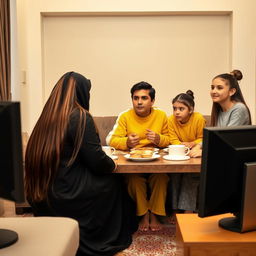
(228, 176)
(11, 166)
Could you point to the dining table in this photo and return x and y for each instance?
(155, 165)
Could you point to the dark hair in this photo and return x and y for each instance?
(71, 93)
(144, 86)
(231, 81)
(237, 74)
(186, 98)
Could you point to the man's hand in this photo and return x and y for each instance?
(153, 137)
(133, 140)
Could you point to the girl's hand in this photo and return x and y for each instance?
(196, 151)
(190, 145)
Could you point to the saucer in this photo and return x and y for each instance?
(145, 159)
(113, 157)
(176, 158)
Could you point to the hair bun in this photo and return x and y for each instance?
(190, 93)
(237, 74)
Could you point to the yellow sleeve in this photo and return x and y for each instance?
(173, 138)
(200, 126)
(117, 138)
(164, 136)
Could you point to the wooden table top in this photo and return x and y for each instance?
(159, 165)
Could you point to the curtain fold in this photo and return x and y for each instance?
(5, 51)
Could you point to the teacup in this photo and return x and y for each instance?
(178, 150)
(108, 150)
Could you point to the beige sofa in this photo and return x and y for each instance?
(42, 236)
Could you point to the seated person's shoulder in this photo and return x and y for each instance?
(240, 111)
(240, 106)
(75, 116)
(198, 118)
(125, 115)
(198, 115)
(159, 111)
(171, 118)
(126, 112)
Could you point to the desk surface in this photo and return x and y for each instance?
(160, 165)
(197, 236)
(206, 230)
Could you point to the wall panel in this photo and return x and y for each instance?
(172, 52)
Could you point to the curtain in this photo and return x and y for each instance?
(5, 54)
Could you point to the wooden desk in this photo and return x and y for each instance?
(203, 237)
(160, 165)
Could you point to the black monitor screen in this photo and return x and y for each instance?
(11, 175)
(11, 167)
(227, 152)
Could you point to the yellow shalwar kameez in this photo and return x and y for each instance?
(129, 122)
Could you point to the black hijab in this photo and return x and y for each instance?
(83, 86)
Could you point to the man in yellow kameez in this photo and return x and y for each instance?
(143, 125)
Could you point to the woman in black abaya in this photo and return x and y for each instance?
(68, 174)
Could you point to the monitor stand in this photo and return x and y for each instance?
(245, 220)
(7, 237)
(231, 223)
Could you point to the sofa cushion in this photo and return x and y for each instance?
(104, 125)
(42, 236)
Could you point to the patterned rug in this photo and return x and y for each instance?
(160, 243)
(157, 243)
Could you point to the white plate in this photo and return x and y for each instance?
(114, 157)
(145, 159)
(156, 150)
(176, 158)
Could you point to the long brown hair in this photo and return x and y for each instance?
(232, 81)
(46, 141)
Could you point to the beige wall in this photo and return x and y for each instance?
(241, 55)
(172, 52)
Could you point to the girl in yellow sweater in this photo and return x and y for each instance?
(185, 127)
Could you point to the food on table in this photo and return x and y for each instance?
(145, 152)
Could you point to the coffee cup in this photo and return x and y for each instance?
(108, 150)
(178, 150)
